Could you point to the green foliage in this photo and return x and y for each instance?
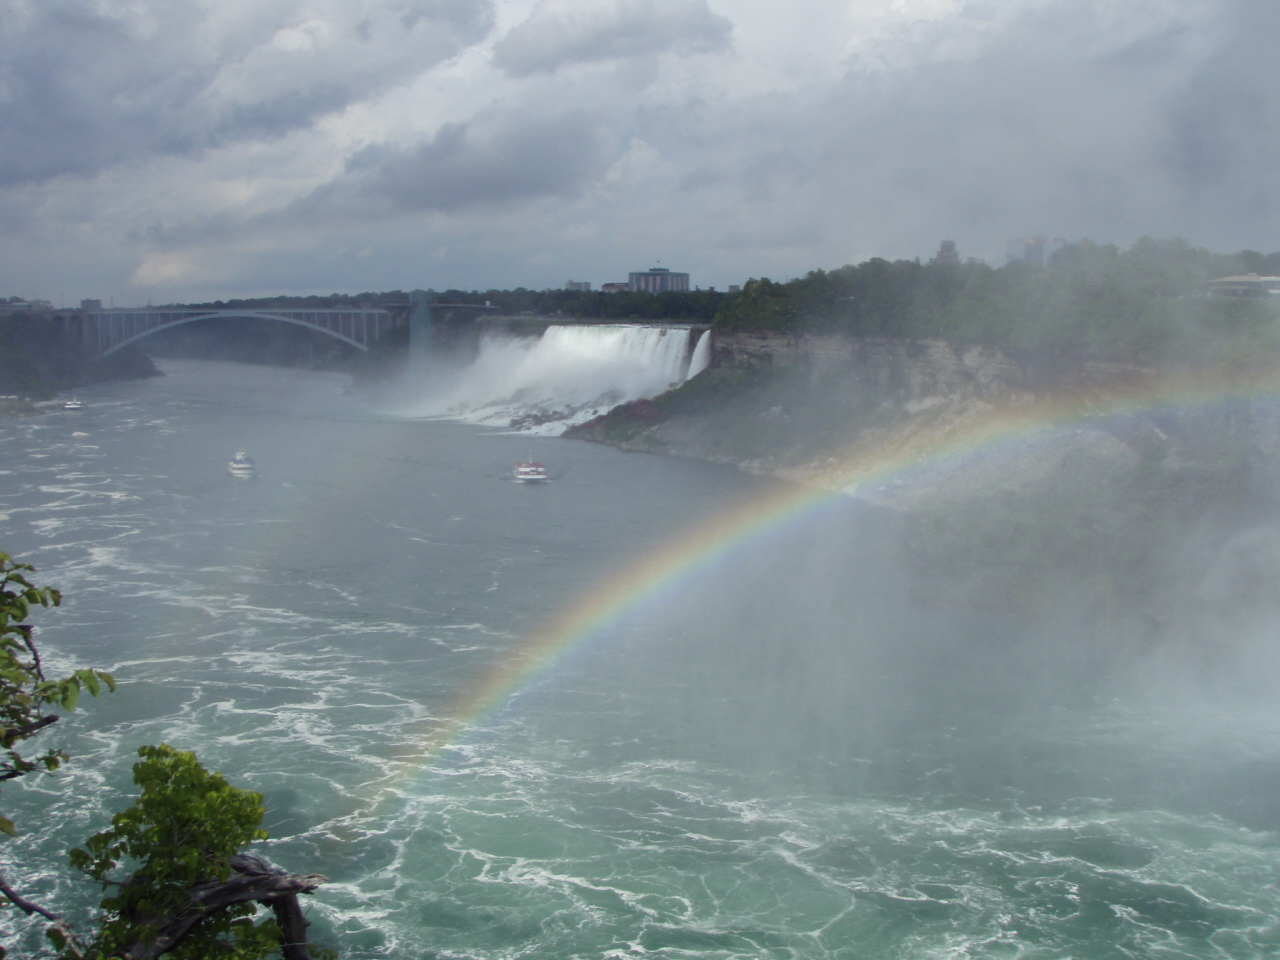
(1090, 300)
(183, 831)
(766, 305)
(596, 305)
(26, 694)
(583, 304)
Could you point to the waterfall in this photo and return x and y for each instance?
(568, 375)
(701, 358)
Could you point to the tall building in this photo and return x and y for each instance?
(947, 253)
(1027, 250)
(577, 285)
(1034, 250)
(658, 280)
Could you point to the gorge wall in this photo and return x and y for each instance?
(40, 356)
(1087, 493)
(791, 406)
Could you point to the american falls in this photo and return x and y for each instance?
(567, 375)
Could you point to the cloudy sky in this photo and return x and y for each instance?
(190, 149)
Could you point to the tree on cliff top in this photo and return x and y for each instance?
(763, 305)
(1090, 299)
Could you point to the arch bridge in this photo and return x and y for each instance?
(106, 331)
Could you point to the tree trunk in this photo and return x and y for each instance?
(253, 880)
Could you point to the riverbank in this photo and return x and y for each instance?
(16, 407)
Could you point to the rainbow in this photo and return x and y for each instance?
(907, 458)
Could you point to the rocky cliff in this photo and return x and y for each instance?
(40, 356)
(1078, 489)
(792, 406)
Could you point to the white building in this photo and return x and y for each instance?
(658, 280)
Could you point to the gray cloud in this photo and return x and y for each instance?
(1067, 119)
(1070, 118)
(501, 159)
(1058, 127)
(83, 86)
(560, 32)
(1222, 136)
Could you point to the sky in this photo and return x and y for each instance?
(187, 150)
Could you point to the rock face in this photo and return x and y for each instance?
(1074, 491)
(40, 356)
(794, 406)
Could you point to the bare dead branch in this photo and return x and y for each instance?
(25, 905)
(293, 927)
(254, 880)
(27, 728)
(29, 908)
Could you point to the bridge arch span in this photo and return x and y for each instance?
(111, 330)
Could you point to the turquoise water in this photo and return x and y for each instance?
(784, 757)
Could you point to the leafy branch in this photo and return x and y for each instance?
(190, 890)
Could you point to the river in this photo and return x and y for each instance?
(779, 754)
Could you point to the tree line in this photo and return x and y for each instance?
(1146, 302)
(692, 305)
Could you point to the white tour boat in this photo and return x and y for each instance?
(241, 465)
(530, 471)
(73, 404)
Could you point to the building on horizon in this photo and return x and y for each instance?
(1250, 285)
(90, 304)
(614, 287)
(1033, 250)
(18, 305)
(658, 280)
(583, 285)
(947, 253)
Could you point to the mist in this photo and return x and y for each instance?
(831, 659)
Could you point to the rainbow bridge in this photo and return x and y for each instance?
(106, 331)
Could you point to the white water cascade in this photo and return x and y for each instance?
(701, 358)
(568, 375)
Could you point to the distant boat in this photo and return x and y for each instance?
(530, 471)
(73, 404)
(241, 465)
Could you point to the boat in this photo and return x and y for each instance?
(530, 471)
(241, 465)
(73, 404)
